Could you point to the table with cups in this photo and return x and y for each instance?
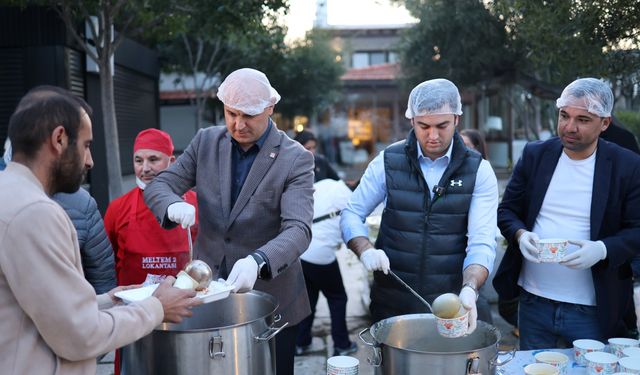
(618, 356)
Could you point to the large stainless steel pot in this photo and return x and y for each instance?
(230, 336)
(410, 344)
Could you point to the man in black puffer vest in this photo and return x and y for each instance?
(440, 199)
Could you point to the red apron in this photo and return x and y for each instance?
(150, 249)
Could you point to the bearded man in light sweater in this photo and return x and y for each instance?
(51, 320)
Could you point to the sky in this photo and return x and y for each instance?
(343, 12)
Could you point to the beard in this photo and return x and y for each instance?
(69, 171)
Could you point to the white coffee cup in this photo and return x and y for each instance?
(630, 365)
(454, 327)
(342, 365)
(540, 369)
(552, 250)
(184, 281)
(583, 346)
(555, 359)
(617, 344)
(601, 363)
(631, 351)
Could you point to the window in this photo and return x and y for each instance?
(362, 59)
(377, 58)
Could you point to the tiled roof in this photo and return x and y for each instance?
(373, 73)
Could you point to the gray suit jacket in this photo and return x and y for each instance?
(272, 214)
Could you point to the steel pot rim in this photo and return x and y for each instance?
(163, 327)
(484, 325)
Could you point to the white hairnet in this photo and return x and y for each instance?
(434, 97)
(590, 94)
(248, 90)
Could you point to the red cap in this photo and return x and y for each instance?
(154, 139)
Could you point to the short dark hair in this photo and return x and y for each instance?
(477, 139)
(304, 137)
(39, 112)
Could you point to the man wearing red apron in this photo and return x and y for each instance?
(140, 245)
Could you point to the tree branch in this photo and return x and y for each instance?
(65, 13)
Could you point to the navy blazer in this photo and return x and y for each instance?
(615, 220)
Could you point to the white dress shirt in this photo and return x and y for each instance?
(482, 225)
(328, 196)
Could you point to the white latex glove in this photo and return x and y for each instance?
(182, 213)
(243, 275)
(375, 260)
(636, 303)
(527, 243)
(468, 298)
(589, 253)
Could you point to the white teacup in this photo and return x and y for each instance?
(342, 365)
(184, 281)
(618, 344)
(555, 359)
(552, 250)
(540, 369)
(454, 327)
(583, 346)
(600, 363)
(630, 365)
(631, 351)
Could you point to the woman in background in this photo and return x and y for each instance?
(474, 140)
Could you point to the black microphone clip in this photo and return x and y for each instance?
(438, 190)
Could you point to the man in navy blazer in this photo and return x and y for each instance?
(583, 189)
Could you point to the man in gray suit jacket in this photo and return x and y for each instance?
(255, 200)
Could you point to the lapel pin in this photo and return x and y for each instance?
(272, 155)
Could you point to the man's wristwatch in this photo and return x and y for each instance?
(473, 287)
(261, 264)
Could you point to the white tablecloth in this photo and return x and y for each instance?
(523, 358)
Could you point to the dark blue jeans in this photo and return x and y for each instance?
(543, 321)
(328, 280)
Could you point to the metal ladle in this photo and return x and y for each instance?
(411, 290)
(197, 269)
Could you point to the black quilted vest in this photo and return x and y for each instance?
(425, 239)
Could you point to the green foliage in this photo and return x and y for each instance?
(309, 77)
(236, 34)
(541, 44)
(558, 41)
(631, 121)
(216, 36)
(460, 40)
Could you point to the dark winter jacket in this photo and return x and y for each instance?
(97, 255)
(424, 238)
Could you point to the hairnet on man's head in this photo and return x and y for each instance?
(248, 90)
(590, 94)
(434, 97)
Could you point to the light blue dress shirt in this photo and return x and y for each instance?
(483, 211)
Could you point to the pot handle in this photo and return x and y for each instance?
(376, 359)
(213, 342)
(497, 363)
(473, 366)
(365, 341)
(271, 331)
